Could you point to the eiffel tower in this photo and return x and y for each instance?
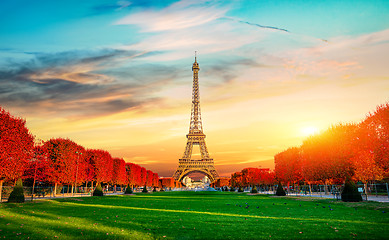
(196, 136)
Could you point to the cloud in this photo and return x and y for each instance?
(79, 83)
(179, 15)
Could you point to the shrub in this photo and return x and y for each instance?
(240, 189)
(232, 189)
(17, 195)
(280, 190)
(254, 190)
(350, 192)
(145, 189)
(98, 191)
(128, 190)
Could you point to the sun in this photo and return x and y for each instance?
(308, 131)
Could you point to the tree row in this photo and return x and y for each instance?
(356, 151)
(61, 161)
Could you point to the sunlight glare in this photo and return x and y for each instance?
(309, 130)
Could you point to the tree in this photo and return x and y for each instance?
(128, 190)
(376, 134)
(280, 190)
(98, 191)
(288, 165)
(236, 179)
(38, 167)
(102, 164)
(149, 178)
(350, 192)
(67, 160)
(133, 174)
(143, 176)
(119, 176)
(16, 144)
(155, 180)
(17, 194)
(326, 156)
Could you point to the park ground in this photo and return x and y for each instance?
(194, 215)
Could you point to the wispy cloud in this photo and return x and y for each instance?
(180, 15)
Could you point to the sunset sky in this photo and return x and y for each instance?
(116, 75)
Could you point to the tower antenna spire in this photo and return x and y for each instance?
(195, 56)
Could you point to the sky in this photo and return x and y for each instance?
(116, 75)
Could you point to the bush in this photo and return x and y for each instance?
(280, 190)
(128, 190)
(98, 191)
(232, 189)
(240, 189)
(145, 189)
(17, 195)
(254, 190)
(350, 192)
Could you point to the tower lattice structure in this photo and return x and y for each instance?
(196, 137)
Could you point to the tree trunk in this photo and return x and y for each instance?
(1, 189)
(33, 190)
(310, 190)
(55, 189)
(365, 185)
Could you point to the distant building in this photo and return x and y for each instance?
(187, 181)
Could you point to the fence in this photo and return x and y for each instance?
(46, 192)
(62, 191)
(377, 191)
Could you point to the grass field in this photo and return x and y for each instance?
(194, 215)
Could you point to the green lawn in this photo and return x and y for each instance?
(194, 215)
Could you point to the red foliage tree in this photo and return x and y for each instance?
(288, 165)
(149, 178)
(102, 164)
(236, 179)
(119, 176)
(67, 160)
(133, 174)
(16, 144)
(38, 167)
(155, 180)
(252, 177)
(143, 176)
(326, 157)
(376, 135)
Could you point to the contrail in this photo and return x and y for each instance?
(254, 24)
(262, 26)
